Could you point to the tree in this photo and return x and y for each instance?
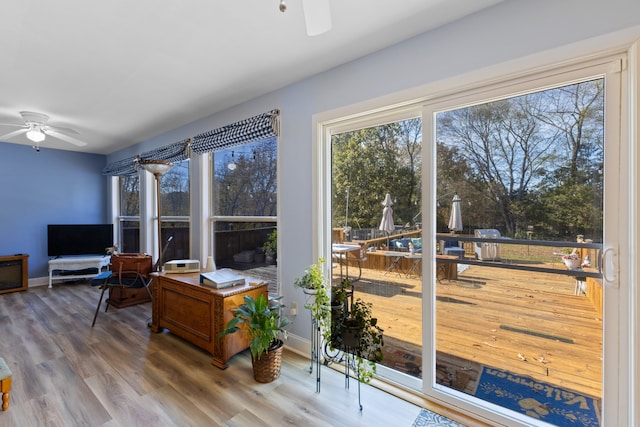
(249, 188)
(370, 162)
(504, 148)
(523, 152)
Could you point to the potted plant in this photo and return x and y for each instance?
(265, 325)
(270, 247)
(360, 335)
(571, 260)
(312, 284)
(339, 306)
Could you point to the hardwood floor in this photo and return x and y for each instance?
(119, 373)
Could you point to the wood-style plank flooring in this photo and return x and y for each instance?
(118, 373)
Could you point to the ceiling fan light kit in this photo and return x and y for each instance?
(35, 134)
(36, 129)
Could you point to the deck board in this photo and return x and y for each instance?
(475, 316)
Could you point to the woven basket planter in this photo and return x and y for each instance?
(267, 368)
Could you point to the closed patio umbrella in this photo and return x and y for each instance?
(387, 224)
(455, 218)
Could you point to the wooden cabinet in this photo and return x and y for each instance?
(126, 297)
(198, 313)
(14, 273)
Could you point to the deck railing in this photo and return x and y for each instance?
(593, 250)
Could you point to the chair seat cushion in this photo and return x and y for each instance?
(100, 278)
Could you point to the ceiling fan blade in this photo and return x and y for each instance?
(317, 16)
(66, 138)
(12, 125)
(62, 130)
(12, 134)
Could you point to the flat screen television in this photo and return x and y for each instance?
(78, 239)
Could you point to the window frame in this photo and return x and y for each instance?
(612, 65)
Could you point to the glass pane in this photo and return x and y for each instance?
(178, 247)
(241, 245)
(129, 195)
(377, 170)
(174, 190)
(129, 236)
(245, 180)
(517, 324)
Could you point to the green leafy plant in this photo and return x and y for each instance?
(270, 247)
(313, 277)
(339, 293)
(313, 283)
(264, 323)
(339, 306)
(368, 338)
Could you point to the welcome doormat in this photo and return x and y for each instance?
(537, 399)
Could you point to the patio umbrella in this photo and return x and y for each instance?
(386, 224)
(455, 218)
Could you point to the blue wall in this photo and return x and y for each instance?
(49, 187)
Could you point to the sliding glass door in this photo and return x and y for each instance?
(517, 202)
(498, 280)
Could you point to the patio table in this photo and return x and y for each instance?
(339, 252)
(417, 259)
(395, 263)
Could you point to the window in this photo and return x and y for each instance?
(175, 211)
(530, 163)
(244, 203)
(375, 175)
(533, 164)
(129, 217)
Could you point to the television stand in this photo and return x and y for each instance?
(75, 266)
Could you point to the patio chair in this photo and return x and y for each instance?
(452, 247)
(127, 271)
(359, 256)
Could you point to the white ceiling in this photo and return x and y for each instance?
(122, 71)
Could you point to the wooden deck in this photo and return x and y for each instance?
(527, 323)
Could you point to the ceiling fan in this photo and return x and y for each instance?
(317, 15)
(36, 129)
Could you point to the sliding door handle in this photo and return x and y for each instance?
(610, 275)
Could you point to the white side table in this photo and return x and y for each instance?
(77, 263)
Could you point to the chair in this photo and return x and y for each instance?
(359, 256)
(127, 271)
(452, 247)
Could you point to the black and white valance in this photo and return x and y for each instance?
(256, 128)
(172, 153)
(262, 126)
(128, 166)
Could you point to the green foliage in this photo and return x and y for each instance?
(263, 321)
(313, 280)
(251, 187)
(270, 247)
(313, 277)
(368, 334)
(339, 293)
(372, 162)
